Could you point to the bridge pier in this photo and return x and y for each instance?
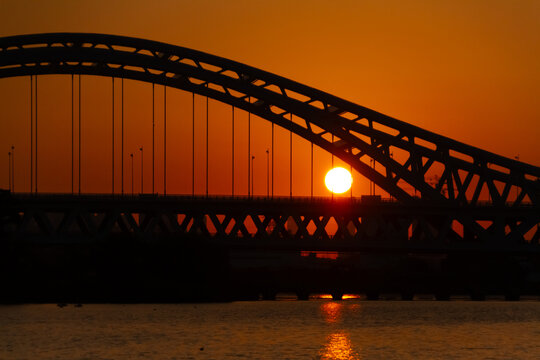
(269, 295)
(512, 295)
(478, 296)
(478, 290)
(372, 295)
(442, 295)
(407, 296)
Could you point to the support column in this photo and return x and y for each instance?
(79, 164)
(232, 162)
(193, 145)
(112, 169)
(36, 148)
(207, 145)
(31, 133)
(249, 151)
(153, 137)
(164, 140)
(72, 134)
(122, 147)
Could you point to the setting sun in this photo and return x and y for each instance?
(338, 180)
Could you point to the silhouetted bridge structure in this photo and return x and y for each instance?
(450, 216)
(279, 223)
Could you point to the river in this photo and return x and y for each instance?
(283, 329)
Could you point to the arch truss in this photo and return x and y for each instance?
(395, 155)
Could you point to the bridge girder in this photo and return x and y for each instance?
(286, 223)
(353, 133)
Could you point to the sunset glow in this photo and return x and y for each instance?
(270, 179)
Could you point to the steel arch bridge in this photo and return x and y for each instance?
(357, 135)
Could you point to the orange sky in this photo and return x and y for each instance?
(467, 70)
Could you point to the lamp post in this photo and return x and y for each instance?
(9, 169)
(351, 182)
(391, 157)
(373, 181)
(252, 171)
(142, 153)
(267, 173)
(517, 158)
(489, 191)
(13, 167)
(371, 192)
(131, 156)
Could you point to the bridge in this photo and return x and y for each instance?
(444, 197)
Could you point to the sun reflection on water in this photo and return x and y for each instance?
(331, 311)
(339, 347)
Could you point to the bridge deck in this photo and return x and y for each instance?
(302, 223)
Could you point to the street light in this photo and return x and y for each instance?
(351, 183)
(391, 157)
(142, 153)
(252, 171)
(267, 173)
(373, 181)
(489, 191)
(371, 185)
(13, 168)
(517, 158)
(9, 169)
(131, 155)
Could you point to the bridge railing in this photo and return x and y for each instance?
(169, 198)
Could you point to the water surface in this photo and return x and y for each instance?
(316, 329)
